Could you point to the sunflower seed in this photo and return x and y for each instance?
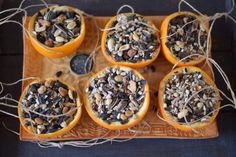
(71, 25)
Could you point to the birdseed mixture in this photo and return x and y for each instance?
(180, 87)
(116, 95)
(191, 39)
(132, 40)
(48, 98)
(56, 27)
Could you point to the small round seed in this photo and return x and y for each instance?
(135, 37)
(132, 86)
(63, 124)
(71, 25)
(182, 113)
(48, 83)
(38, 121)
(124, 47)
(70, 94)
(57, 32)
(63, 92)
(98, 96)
(118, 78)
(131, 53)
(65, 109)
(49, 43)
(108, 101)
(42, 89)
(111, 44)
(123, 117)
(129, 113)
(60, 39)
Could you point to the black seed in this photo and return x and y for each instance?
(81, 64)
(122, 95)
(114, 23)
(56, 126)
(64, 35)
(61, 119)
(104, 116)
(38, 110)
(115, 113)
(39, 14)
(51, 15)
(51, 129)
(27, 123)
(104, 108)
(40, 38)
(26, 115)
(137, 96)
(41, 100)
(49, 33)
(143, 82)
(134, 60)
(70, 15)
(129, 76)
(168, 102)
(124, 121)
(78, 23)
(57, 100)
(118, 58)
(58, 73)
(33, 88)
(44, 131)
(108, 52)
(147, 56)
(58, 84)
(183, 54)
(76, 30)
(153, 69)
(90, 88)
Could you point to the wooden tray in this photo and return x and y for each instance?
(37, 65)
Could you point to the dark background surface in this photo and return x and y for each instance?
(224, 52)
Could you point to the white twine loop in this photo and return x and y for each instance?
(14, 132)
(183, 1)
(96, 141)
(125, 6)
(6, 97)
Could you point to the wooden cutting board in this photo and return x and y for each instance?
(151, 127)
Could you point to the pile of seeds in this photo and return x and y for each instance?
(179, 88)
(55, 28)
(49, 98)
(116, 95)
(132, 40)
(191, 39)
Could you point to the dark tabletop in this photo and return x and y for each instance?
(224, 52)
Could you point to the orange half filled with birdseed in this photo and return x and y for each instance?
(130, 40)
(188, 98)
(48, 108)
(185, 34)
(117, 97)
(57, 31)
